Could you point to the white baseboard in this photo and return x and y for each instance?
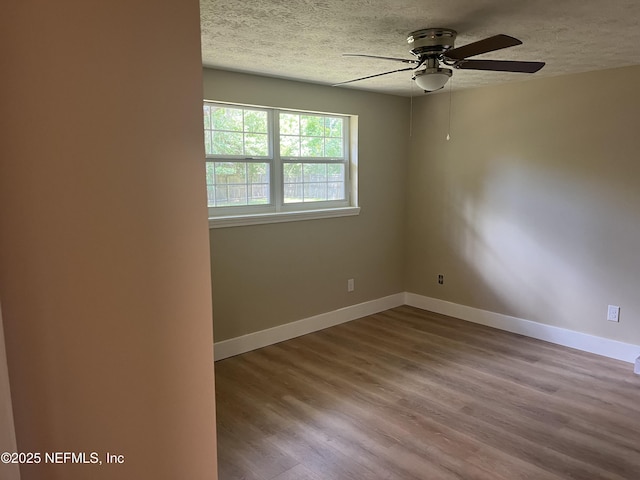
(561, 336)
(263, 338)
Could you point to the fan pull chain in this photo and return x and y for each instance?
(411, 109)
(449, 132)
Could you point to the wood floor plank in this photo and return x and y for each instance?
(299, 472)
(408, 394)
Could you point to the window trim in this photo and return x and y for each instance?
(281, 217)
(277, 210)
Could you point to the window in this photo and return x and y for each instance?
(264, 162)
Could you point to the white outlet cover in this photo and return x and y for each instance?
(613, 313)
(351, 285)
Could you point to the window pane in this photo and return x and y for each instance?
(255, 121)
(313, 182)
(333, 148)
(292, 172)
(317, 136)
(293, 192)
(211, 196)
(311, 146)
(315, 172)
(256, 144)
(315, 192)
(227, 119)
(335, 172)
(293, 182)
(311, 125)
(289, 124)
(230, 173)
(259, 194)
(335, 191)
(259, 191)
(258, 172)
(290, 146)
(208, 146)
(238, 183)
(207, 117)
(210, 173)
(222, 195)
(333, 127)
(227, 143)
(237, 195)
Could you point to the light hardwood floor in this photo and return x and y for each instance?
(407, 394)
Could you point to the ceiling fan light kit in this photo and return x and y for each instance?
(435, 46)
(432, 79)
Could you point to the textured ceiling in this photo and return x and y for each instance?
(304, 39)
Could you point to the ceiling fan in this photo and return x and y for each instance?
(434, 46)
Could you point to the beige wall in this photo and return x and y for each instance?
(532, 208)
(267, 275)
(7, 432)
(104, 261)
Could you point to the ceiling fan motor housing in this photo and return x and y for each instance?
(431, 41)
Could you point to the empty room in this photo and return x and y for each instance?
(320, 240)
(450, 320)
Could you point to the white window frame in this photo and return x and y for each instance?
(277, 210)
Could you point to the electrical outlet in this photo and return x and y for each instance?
(441, 279)
(351, 285)
(613, 313)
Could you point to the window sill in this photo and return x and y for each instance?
(262, 218)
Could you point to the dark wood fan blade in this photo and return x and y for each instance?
(501, 66)
(497, 42)
(372, 76)
(403, 60)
